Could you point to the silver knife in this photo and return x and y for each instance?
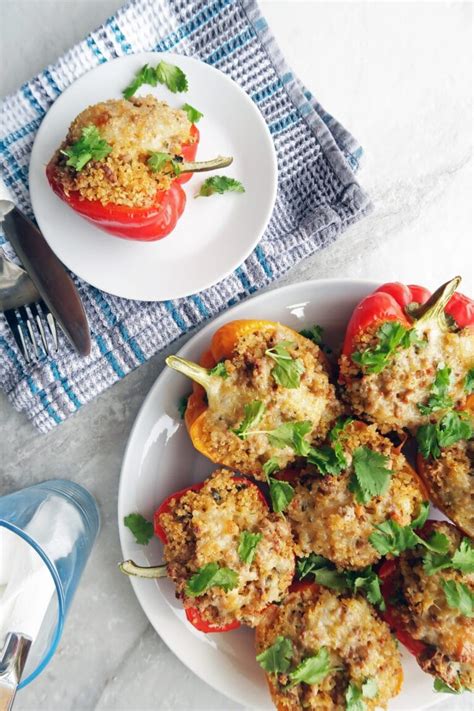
(50, 278)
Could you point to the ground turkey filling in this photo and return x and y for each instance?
(427, 616)
(326, 518)
(360, 647)
(206, 526)
(133, 128)
(450, 479)
(249, 379)
(390, 398)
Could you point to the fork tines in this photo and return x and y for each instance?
(34, 329)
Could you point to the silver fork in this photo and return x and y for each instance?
(25, 311)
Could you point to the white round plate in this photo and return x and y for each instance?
(160, 459)
(213, 236)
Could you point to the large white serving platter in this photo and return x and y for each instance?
(160, 459)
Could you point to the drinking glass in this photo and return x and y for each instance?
(60, 521)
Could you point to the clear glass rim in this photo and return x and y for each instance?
(60, 596)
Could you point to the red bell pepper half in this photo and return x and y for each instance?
(406, 305)
(139, 223)
(193, 614)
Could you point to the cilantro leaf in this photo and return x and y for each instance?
(281, 494)
(158, 161)
(90, 146)
(211, 576)
(193, 114)
(422, 517)
(247, 546)
(220, 184)
(309, 564)
(219, 370)
(392, 336)
(436, 543)
(451, 428)
(291, 434)
(315, 334)
(439, 398)
(441, 687)
(370, 478)
(463, 558)
(469, 381)
(140, 527)
(392, 538)
(366, 582)
(312, 670)
(271, 466)
(287, 371)
(171, 76)
(459, 597)
(354, 701)
(276, 659)
(253, 413)
(326, 459)
(330, 578)
(145, 75)
(182, 405)
(434, 562)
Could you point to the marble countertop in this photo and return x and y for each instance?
(399, 76)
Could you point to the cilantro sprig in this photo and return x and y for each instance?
(287, 371)
(325, 573)
(253, 413)
(441, 687)
(248, 543)
(392, 538)
(193, 114)
(157, 162)
(168, 74)
(211, 576)
(392, 337)
(439, 398)
(371, 476)
(355, 694)
(220, 184)
(330, 459)
(281, 494)
(276, 659)
(459, 597)
(219, 370)
(469, 382)
(140, 527)
(90, 146)
(451, 428)
(462, 559)
(315, 334)
(313, 669)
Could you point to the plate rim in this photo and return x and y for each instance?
(272, 177)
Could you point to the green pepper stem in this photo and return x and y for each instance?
(202, 165)
(433, 309)
(155, 571)
(192, 370)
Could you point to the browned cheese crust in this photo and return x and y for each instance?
(250, 378)
(450, 480)
(133, 128)
(428, 617)
(359, 644)
(390, 398)
(204, 527)
(326, 518)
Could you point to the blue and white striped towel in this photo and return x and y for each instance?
(318, 195)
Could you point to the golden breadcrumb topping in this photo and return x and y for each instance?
(429, 618)
(450, 480)
(327, 519)
(133, 128)
(250, 379)
(360, 647)
(390, 398)
(205, 527)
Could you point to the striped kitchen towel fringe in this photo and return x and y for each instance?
(318, 194)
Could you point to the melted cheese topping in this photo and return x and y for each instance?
(250, 378)
(430, 619)
(358, 642)
(325, 516)
(205, 527)
(450, 480)
(134, 129)
(391, 398)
